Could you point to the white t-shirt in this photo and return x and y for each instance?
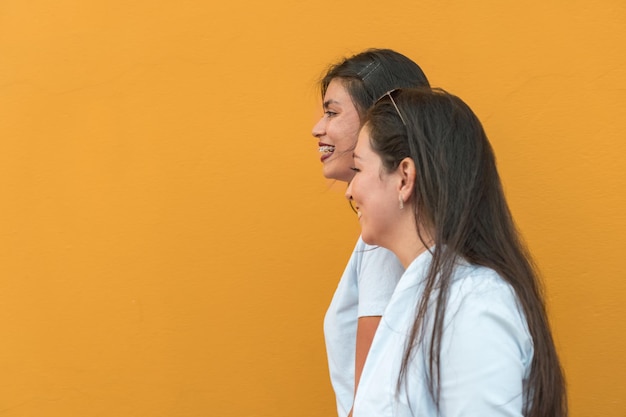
(486, 351)
(364, 290)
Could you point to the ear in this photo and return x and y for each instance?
(406, 171)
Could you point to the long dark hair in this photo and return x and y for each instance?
(373, 72)
(458, 196)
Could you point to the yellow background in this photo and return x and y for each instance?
(168, 246)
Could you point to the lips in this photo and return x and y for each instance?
(326, 150)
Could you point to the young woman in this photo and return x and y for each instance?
(465, 332)
(348, 89)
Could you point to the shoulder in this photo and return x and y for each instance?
(486, 340)
(378, 271)
(476, 284)
(481, 301)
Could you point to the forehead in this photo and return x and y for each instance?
(363, 144)
(336, 91)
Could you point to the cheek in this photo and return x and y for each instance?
(346, 142)
(374, 221)
(378, 203)
(365, 197)
(378, 224)
(345, 136)
(356, 186)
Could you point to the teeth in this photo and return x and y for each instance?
(358, 214)
(326, 149)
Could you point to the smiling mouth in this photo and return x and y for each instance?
(326, 150)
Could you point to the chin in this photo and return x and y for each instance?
(370, 240)
(374, 240)
(338, 175)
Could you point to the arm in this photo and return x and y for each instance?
(365, 331)
(364, 335)
(378, 272)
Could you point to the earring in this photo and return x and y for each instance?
(401, 201)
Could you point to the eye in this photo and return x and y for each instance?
(330, 113)
(355, 169)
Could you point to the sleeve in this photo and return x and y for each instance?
(486, 353)
(378, 273)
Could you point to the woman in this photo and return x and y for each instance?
(348, 89)
(465, 332)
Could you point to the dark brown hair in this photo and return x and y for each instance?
(458, 195)
(371, 73)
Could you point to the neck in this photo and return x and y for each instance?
(407, 254)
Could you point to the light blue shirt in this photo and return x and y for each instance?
(364, 290)
(486, 351)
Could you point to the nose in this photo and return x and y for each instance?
(319, 128)
(350, 199)
(349, 192)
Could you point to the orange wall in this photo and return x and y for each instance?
(168, 246)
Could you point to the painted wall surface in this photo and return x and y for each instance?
(168, 246)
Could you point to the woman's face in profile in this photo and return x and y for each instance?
(374, 193)
(337, 132)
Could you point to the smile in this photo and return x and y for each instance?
(326, 149)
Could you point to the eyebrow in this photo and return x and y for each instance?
(355, 156)
(329, 102)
